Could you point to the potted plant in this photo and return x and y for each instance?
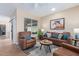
(40, 34)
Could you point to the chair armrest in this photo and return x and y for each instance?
(33, 37)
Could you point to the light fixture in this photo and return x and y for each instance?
(42, 30)
(53, 9)
(76, 31)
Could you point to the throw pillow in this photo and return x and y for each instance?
(55, 35)
(48, 35)
(27, 37)
(60, 36)
(65, 36)
(45, 35)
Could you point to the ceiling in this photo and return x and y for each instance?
(37, 9)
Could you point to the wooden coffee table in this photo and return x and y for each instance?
(47, 43)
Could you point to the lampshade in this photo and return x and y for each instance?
(42, 30)
(76, 30)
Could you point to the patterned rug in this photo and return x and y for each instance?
(44, 51)
(28, 51)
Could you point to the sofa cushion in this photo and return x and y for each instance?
(65, 36)
(54, 35)
(64, 52)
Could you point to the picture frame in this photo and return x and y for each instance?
(57, 24)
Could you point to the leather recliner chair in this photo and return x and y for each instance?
(24, 43)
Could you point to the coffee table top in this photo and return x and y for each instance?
(46, 42)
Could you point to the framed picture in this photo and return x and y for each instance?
(57, 24)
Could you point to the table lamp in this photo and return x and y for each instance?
(42, 30)
(76, 31)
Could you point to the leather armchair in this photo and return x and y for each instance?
(24, 43)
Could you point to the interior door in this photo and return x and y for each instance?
(12, 31)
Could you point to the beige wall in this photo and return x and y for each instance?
(71, 19)
(21, 14)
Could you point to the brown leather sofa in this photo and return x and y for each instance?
(24, 43)
(59, 41)
(66, 50)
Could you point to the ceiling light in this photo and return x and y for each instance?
(53, 9)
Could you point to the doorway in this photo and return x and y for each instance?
(13, 30)
(2, 31)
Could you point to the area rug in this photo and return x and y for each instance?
(44, 51)
(28, 51)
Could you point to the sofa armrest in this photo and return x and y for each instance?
(70, 47)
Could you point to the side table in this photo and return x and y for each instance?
(76, 40)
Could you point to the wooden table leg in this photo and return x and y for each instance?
(49, 48)
(40, 46)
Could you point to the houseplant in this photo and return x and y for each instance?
(40, 34)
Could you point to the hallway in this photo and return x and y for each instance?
(9, 49)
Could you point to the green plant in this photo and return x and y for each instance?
(40, 33)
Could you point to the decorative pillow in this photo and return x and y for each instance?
(48, 35)
(60, 36)
(45, 35)
(65, 36)
(28, 37)
(55, 35)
